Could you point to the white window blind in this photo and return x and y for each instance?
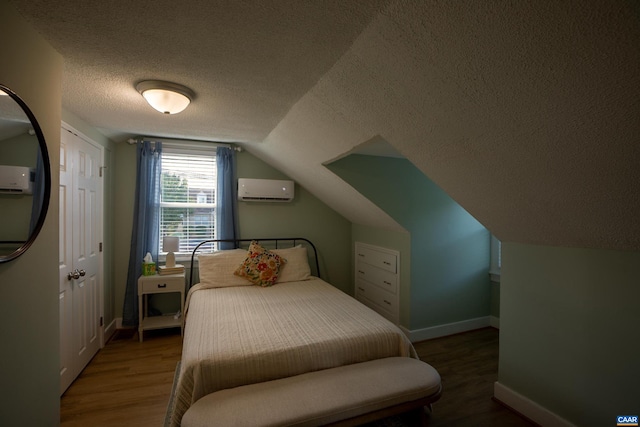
(187, 196)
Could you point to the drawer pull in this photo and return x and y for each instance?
(164, 285)
(360, 271)
(387, 283)
(386, 262)
(362, 289)
(362, 255)
(387, 302)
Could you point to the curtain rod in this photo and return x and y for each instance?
(184, 142)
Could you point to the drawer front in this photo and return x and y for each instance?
(376, 258)
(160, 285)
(386, 307)
(376, 308)
(383, 299)
(383, 278)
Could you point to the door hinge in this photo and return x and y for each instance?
(101, 321)
(102, 168)
(100, 247)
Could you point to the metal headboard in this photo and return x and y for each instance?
(292, 241)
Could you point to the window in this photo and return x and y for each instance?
(187, 196)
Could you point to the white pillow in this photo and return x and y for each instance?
(297, 266)
(216, 269)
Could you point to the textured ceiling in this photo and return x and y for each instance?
(527, 113)
(247, 61)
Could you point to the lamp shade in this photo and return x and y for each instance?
(166, 97)
(171, 243)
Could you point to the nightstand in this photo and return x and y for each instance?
(159, 284)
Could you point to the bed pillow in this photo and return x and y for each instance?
(260, 266)
(297, 266)
(216, 269)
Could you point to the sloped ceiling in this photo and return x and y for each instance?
(526, 113)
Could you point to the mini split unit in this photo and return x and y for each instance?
(16, 179)
(265, 190)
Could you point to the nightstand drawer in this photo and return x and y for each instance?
(160, 285)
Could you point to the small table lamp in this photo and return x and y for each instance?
(171, 244)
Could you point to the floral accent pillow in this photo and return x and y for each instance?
(261, 266)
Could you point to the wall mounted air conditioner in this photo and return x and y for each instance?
(265, 190)
(16, 180)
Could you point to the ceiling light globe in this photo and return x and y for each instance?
(165, 101)
(165, 97)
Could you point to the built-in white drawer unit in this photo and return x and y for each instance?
(377, 279)
(383, 258)
(377, 276)
(377, 299)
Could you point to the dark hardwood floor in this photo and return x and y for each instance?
(468, 365)
(128, 383)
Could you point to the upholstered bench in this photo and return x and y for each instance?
(346, 395)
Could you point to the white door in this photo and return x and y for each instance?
(79, 252)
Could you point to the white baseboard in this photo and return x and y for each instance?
(110, 329)
(447, 329)
(528, 407)
(494, 322)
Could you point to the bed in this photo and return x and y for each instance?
(242, 330)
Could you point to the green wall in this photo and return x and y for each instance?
(495, 300)
(569, 335)
(21, 150)
(29, 318)
(124, 186)
(305, 216)
(449, 248)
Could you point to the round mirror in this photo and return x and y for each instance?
(25, 176)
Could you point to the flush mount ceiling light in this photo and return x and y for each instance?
(166, 97)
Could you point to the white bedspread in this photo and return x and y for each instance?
(242, 335)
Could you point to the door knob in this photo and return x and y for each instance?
(75, 274)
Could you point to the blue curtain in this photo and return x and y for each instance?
(226, 197)
(144, 236)
(38, 192)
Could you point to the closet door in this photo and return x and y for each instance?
(79, 252)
